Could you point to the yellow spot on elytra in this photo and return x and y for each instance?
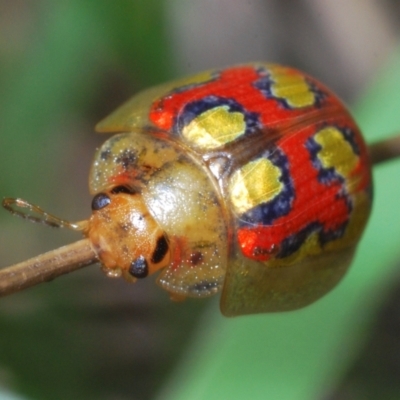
(215, 127)
(336, 151)
(293, 88)
(255, 183)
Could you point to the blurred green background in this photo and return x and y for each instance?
(66, 64)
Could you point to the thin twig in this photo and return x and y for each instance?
(384, 150)
(46, 267)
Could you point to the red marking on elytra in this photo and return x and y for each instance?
(164, 111)
(314, 201)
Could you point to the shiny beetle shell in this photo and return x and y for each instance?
(253, 180)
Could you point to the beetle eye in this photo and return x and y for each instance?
(139, 268)
(121, 189)
(100, 201)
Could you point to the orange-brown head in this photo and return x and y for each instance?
(124, 234)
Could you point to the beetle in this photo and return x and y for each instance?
(252, 180)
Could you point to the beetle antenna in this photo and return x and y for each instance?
(33, 213)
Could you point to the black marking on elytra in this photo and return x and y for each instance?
(100, 201)
(350, 137)
(139, 268)
(292, 243)
(328, 236)
(198, 107)
(266, 213)
(160, 251)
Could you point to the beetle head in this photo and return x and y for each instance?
(127, 239)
